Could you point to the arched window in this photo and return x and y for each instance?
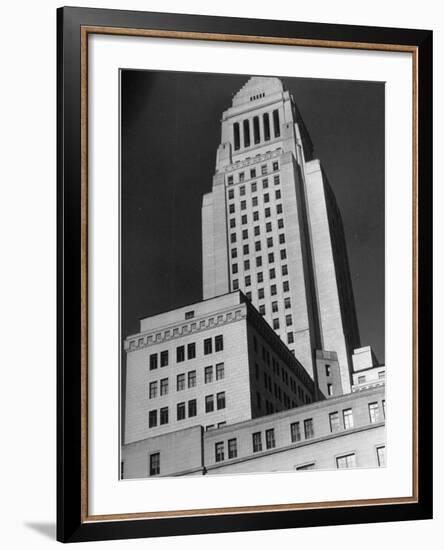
(277, 127)
(256, 130)
(236, 136)
(246, 133)
(266, 127)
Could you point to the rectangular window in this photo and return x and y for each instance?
(269, 439)
(257, 442)
(268, 227)
(380, 451)
(276, 125)
(295, 432)
(278, 196)
(208, 345)
(246, 265)
(288, 320)
(253, 173)
(346, 461)
(254, 201)
(246, 133)
(383, 407)
(242, 187)
(271, 258)
(208, 375)
(279, 208)
(273, 290)
(308, 428)
(329, 389)
(286, 286)
(180, 411)
(243, 205)
(269, 242)
(290, 338)
(234, 252)
(335, 424)
(283, 254)
(245, 233)
(373, 411)
(236, 136)
(219, 343)
(246, 249)
(234, 269)
(347, 415)
(266, 197)
(209, 403)
(281, 238)
(256, 231)
(232, 448)
(153, 361)
(276, 180)
(192, 379)
(235, 284)
(244, 219)
(155, 464)
(264, 169)
(164, 386)
(267, 212)
(231, 209)
(230, 181)
(192, 407)
(266, 121)
(260, 277)
(258, 261)
(274, 307)
(231, 191)
(152, 419)
(232, 223)
(280, 222)
(153, 390)
(255, 216)
(265, 183)
(180, 382)
(248, 280)
(272, 273)
(241, 179)
(191, 350)
(256, 130)
(276, 324)
(220, 371)
(219, 451)
(221, 400)
(180, 354)
(164, 358)
(164, 415)
(275, 166)
(262, 309)
(287, 303)
(261, 293)
(233, 237)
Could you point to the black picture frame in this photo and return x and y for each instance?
(73, 524)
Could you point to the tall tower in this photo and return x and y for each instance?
(271, 227)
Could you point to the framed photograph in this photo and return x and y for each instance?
(244, 274)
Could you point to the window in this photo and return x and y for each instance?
(236, 136)
(257, 442)
(273, 290)
(258, 261)
(180, 411)
(308, 428)
(373, 411)
(260, 277)
(279, 208)
(233, 237)
(266, 121)
(153, 361)
(153, 390)
(329, 389)
(246, 265)
(231, 209)
(230, 182)
(277, 180)
(271, 258)
(272, 273)
(241, 179)
(286, 286)
(208, 375)
(191, 350)
(255, 216)
(164, 415)
(276, 324)
(246, 249)
(264, 169)
(280, 221)
(269, 242)
(219, 342)
(220, 371)
(248, 295)
(208, 344)
(257, 246)
(242, 187)
(248, 280)
(234, 252)
(192, 379)
(180, 354)
(234, 268)
(276, 125)
(180, 382)
(155, 464)
(267, 212)
(290, 338)
(261, 293)
(152, 419)
(275, 166)
(265, 183)
(283, 254)
(295, 432)
(383, 407)
(244, 219)
(232, 448)
(262, 309)
(335, 424)
(254, 201)
(268, 227)
(235, 284)
(281, 238)
(361, 379)
(253, 173)
(220, 400)
(209, 403)
(164, 386)
(287, 303)
(257, 230)
(232, 223)
(274, 307)
(380, 452)
(288, 320)
(278, 196)
(346, 461)
(269, 439)
(164, 358)
(192, 407)
(243, 205)
(231, 191)
(246, 133)
(347, 415)
(266, 197)
(219, 451)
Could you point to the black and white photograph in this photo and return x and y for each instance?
(252, 268)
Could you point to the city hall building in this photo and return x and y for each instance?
(267, 372)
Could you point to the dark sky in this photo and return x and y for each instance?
(170, 133)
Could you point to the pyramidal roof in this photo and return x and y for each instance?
(256, 88)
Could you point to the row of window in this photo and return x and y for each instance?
(258, 259)
(260, 274)
(241, 176)
(188, 380)
(162, 415)
(261, 291)
(254, 137)
(342, 462)
(253, 188)
(362, 378)
(258, 244)
(256, 228)
(186, 352)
